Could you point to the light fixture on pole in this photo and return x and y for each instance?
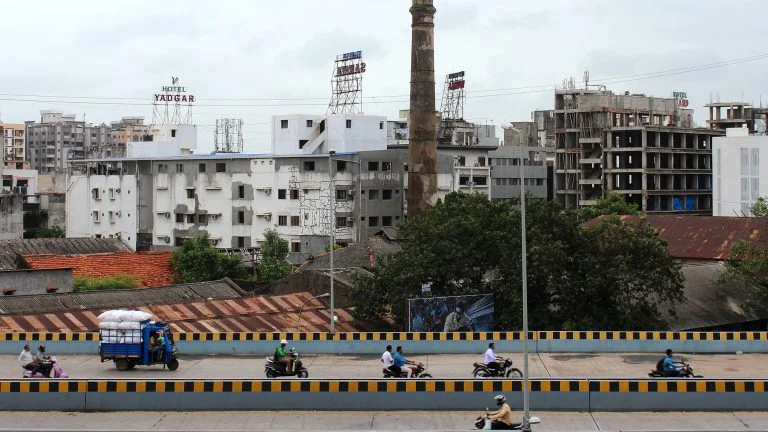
(524, 270)
(323, 295)
(332, 224)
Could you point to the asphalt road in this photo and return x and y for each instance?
(365, 421)
(440, 366)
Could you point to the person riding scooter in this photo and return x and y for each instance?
(401, 362)
(27, 360)
(491, 360)
(502, 419)
(670, 366)
(284, 358)
(389, 362)
(43, 362)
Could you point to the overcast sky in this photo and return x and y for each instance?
(264, 49)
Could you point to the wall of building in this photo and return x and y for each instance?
(740, 172)
(59, 138)
(102, 206)
(13, 146)
(343, 133)
(11, 216)
(28, 282)
(505, 173)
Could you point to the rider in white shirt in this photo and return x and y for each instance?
(491, 359)
(388, 361)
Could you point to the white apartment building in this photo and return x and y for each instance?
(308, 134)
(739, 171)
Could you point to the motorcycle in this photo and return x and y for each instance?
(274, 369)
(485, 423)
(418, 373)
(505, 370)
(55, 370)
(685, 372)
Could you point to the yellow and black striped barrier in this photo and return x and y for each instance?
(49, 336)
(386, 386)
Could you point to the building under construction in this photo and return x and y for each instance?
(645, 148)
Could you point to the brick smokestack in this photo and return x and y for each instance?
(422, 148)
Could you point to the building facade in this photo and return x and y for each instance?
(506, 172)
(740, 171)
(644, 148)
(59, 138)
(308, 134)
(14, 148)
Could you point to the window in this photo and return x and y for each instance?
(241, 217)
(111, 215)
(349, 124)
(539, 182)
(309, 123)
(179, 167)
(341, 221)
(341, 166)
(95, 215)
(201, 168)
(241, 242)
(191, 218)
(111, 194)
(295, 221)
(241, 191)
(281, 193)
(282, 220)
(464, 180)
(386, 166)
(309, 165)
(96, 193)
(462, 160)
(373, 194)
(190, 193)
(179, 217)
(173, 133)
(294, 194)
(221, 167)
(381, 125)
(302, 143)
(295, 246)
(386, 221)
(202, 219)
(373, 166)
(341, 194)
(162, 168)
(481, 161)
(283, 124)
(373, 221)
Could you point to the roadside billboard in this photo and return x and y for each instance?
(446, 314)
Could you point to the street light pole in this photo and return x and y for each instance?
(524, 269)
(323, 295)
(332, 223)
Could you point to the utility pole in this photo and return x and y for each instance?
(524, 270)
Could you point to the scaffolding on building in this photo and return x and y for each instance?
(228, 137)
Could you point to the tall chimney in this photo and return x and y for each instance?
(422, 148)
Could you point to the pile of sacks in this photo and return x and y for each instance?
(122, 326)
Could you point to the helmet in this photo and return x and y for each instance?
(500, 399)
(283, 342)
(41, 348)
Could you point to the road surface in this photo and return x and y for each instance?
(548, 365)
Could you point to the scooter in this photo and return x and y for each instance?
(685, 372)
(418, 373)
(56, 370)
(274, 369)
(484, 422)
(505, 370)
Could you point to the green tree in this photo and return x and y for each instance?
(273, 265)
(87, 283)
(611, 204)
(50, 232)
(613, 276)
(197, 261)
(747, 263)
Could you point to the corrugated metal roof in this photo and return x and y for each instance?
(112, 299)
(700, 237)
(244, 314)
(151, 269)
(10, 249)
(355, 255)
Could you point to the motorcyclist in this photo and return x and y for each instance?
(401, 362)
(283, 358)
(389, 362)
(491, 360)
(670, 366)
(502, 419)
(43, 361)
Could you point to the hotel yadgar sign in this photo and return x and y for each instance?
(174, 93)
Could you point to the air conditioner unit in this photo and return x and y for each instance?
(117, 190)
(119, 213)
(118, 235)
(214, 216)
(167, 215)
(268, 191)
(268, 217)
(167, 239)
(351, 192)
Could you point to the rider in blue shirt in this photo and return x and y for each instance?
(670, 366)
(401, 362)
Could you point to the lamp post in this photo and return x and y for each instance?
(524, 270)
(323, 295)
(332, 223)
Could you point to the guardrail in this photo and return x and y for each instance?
(420, 343)
(361, 395)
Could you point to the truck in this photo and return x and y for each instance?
(132, 346)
